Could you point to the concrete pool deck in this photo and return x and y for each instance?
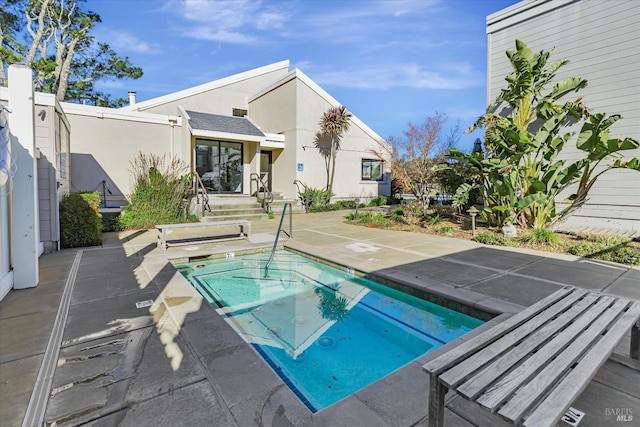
(105, 361)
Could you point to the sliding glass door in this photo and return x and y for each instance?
(219, 164)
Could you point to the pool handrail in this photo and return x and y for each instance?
(275, 241)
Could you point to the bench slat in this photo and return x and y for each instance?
(499, 392)
(203, 224)
(443, 362)
(165, 229)
(550, 411)
(458, 373)
(528, 395)
(479, 382)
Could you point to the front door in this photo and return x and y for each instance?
(265, 169)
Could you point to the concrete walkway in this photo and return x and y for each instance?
(88, 354)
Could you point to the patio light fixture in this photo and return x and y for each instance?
(473, 212)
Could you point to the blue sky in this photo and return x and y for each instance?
(389, 62)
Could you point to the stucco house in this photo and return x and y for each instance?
(261, 122)
(602, 41)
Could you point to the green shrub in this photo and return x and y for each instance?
(491, 238)
(80, 220)
(345, 204)
(445, 229)
(583, 248)
(161, 192)
(367, 217)
(314, 197)
(435, 220)
(379, 201)
(111, 223)
(623, 255)
(539, 236)
(607, 248)
(325, 207)
(271, 215)
(604, 239)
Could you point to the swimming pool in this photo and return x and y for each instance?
(327, 333)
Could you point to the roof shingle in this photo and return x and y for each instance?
(218, 123)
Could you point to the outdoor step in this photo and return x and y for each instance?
(250, 217)
(295, 207)
(231, 200)
(225, 212)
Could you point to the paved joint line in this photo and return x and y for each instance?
(509, 272)
(373, 243)
(40, 395)
(500, 272)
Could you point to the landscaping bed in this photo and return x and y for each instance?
(446, 222)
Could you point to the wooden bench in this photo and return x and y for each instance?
(165, 229)
(531, 367)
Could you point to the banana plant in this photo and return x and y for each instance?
(524, 135)
(526, 97)
(594, 139)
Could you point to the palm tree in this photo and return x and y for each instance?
(334, 123)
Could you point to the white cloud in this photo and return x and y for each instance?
(270, 20)
(393, 75)
(126, 42)
(229, 21)
(220, 35)
(359, 22)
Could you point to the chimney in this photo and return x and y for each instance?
(132, 97)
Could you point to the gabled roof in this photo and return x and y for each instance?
(175, 96)
(227, 124)
(296, 73)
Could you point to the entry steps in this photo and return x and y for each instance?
(234, 207)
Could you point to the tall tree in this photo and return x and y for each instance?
(333, 125)
(415, 157)
(65, 56)
(11, 50)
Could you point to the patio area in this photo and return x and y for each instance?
(77, 349)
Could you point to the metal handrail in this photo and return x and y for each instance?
(199, 185)
(296, 182)
(267, 195)
(275, 242)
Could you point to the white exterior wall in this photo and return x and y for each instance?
(293, 107)
(275, 112)
(6, 274)
(218, 97)
(602, 41)
(106, 141)
(24, 229)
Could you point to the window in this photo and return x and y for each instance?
(372, 170)
(219, 164)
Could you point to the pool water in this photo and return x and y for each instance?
(327, 333)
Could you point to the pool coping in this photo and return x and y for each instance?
(496, 311)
